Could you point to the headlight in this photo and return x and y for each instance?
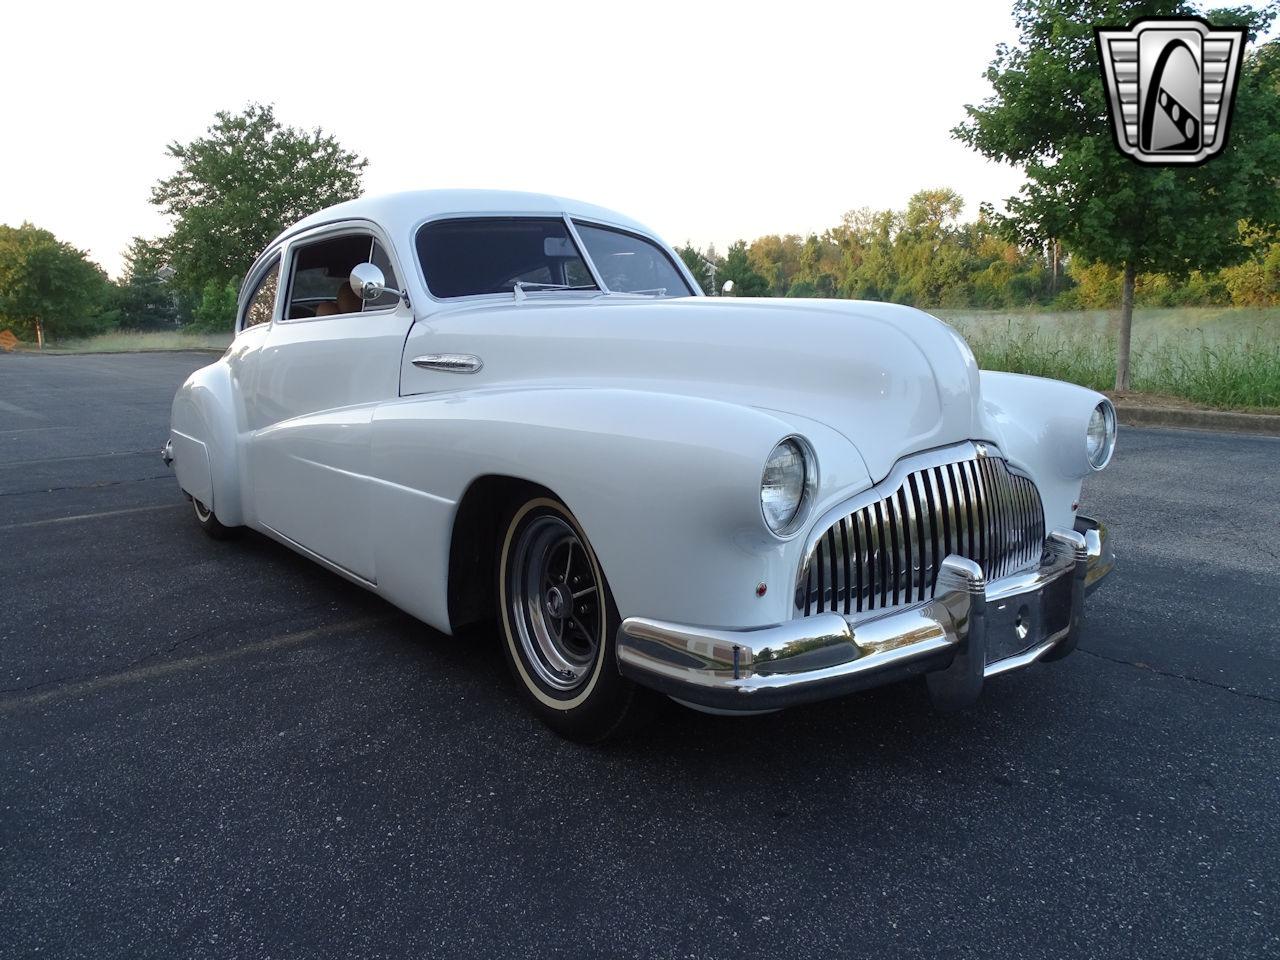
(786, 486)
(1100, 439)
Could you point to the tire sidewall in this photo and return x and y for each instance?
(607, 691)
(210, 523)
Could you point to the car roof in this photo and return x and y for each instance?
(399, 213)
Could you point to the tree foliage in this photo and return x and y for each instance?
(737, 267)
(145, 298)
(1048, 115)
(241, 184)
(216, 309)
(49, 288)
(698, 264)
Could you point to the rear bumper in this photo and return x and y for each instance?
(969, 631)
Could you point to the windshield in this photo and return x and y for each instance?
(463, 258)
(628, 263)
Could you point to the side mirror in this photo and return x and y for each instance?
(725, 291)
(367, 281)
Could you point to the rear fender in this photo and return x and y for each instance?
(203, 433)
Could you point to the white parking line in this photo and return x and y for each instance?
(83, 688)
(88, 516)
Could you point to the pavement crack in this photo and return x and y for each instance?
(1139, 665)
(85, 486)
(163, 651)
(84, 456)
(72, 687)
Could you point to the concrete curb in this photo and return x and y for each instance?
(1262, 424)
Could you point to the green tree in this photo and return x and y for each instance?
(216, 309)
(241, 184)
(49, 289)
(1256, 281)
(737, 267)
(697, 262)
(146, 300)
(1048, 115)
(777, 260)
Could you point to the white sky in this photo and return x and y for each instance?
(707, 121)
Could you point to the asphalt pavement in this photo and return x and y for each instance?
(216, 749)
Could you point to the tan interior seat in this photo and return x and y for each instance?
(347, 302)
(348, 299)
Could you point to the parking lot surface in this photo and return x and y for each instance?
(217, 749)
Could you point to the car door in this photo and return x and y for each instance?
(326, 363)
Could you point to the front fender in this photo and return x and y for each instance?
(666, 486)
(202, 429)
(1041, 425)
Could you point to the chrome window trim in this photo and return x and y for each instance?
(585, 253)
(695, 288)
(676, 261)
(322, 232)
(273, 256)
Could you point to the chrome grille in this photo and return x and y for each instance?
(887, 552)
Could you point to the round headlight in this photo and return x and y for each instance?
(1100, 440)
(785, 486)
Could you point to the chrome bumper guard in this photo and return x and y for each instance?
(969, 631)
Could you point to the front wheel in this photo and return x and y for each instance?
(560, 623)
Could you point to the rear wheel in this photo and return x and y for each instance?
(210, 523)
(560, 624)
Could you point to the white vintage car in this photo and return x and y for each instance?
(486, 405)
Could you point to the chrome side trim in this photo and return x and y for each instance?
(449, 362)
(324, 561)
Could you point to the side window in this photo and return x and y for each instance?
(631, 264)
(318, 284)
(263, 302)
(379, 258)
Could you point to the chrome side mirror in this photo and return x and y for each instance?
(725, 291)
(367, 281)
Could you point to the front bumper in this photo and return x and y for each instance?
(969, 631)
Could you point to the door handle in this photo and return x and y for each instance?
(449, 362)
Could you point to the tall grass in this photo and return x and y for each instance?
(1217, 371)
(136, 341)
(1219, 357)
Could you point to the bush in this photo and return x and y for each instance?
(216, 311)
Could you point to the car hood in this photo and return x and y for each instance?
(891, 379)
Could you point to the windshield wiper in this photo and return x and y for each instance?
(519, 287)
(652, 292)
